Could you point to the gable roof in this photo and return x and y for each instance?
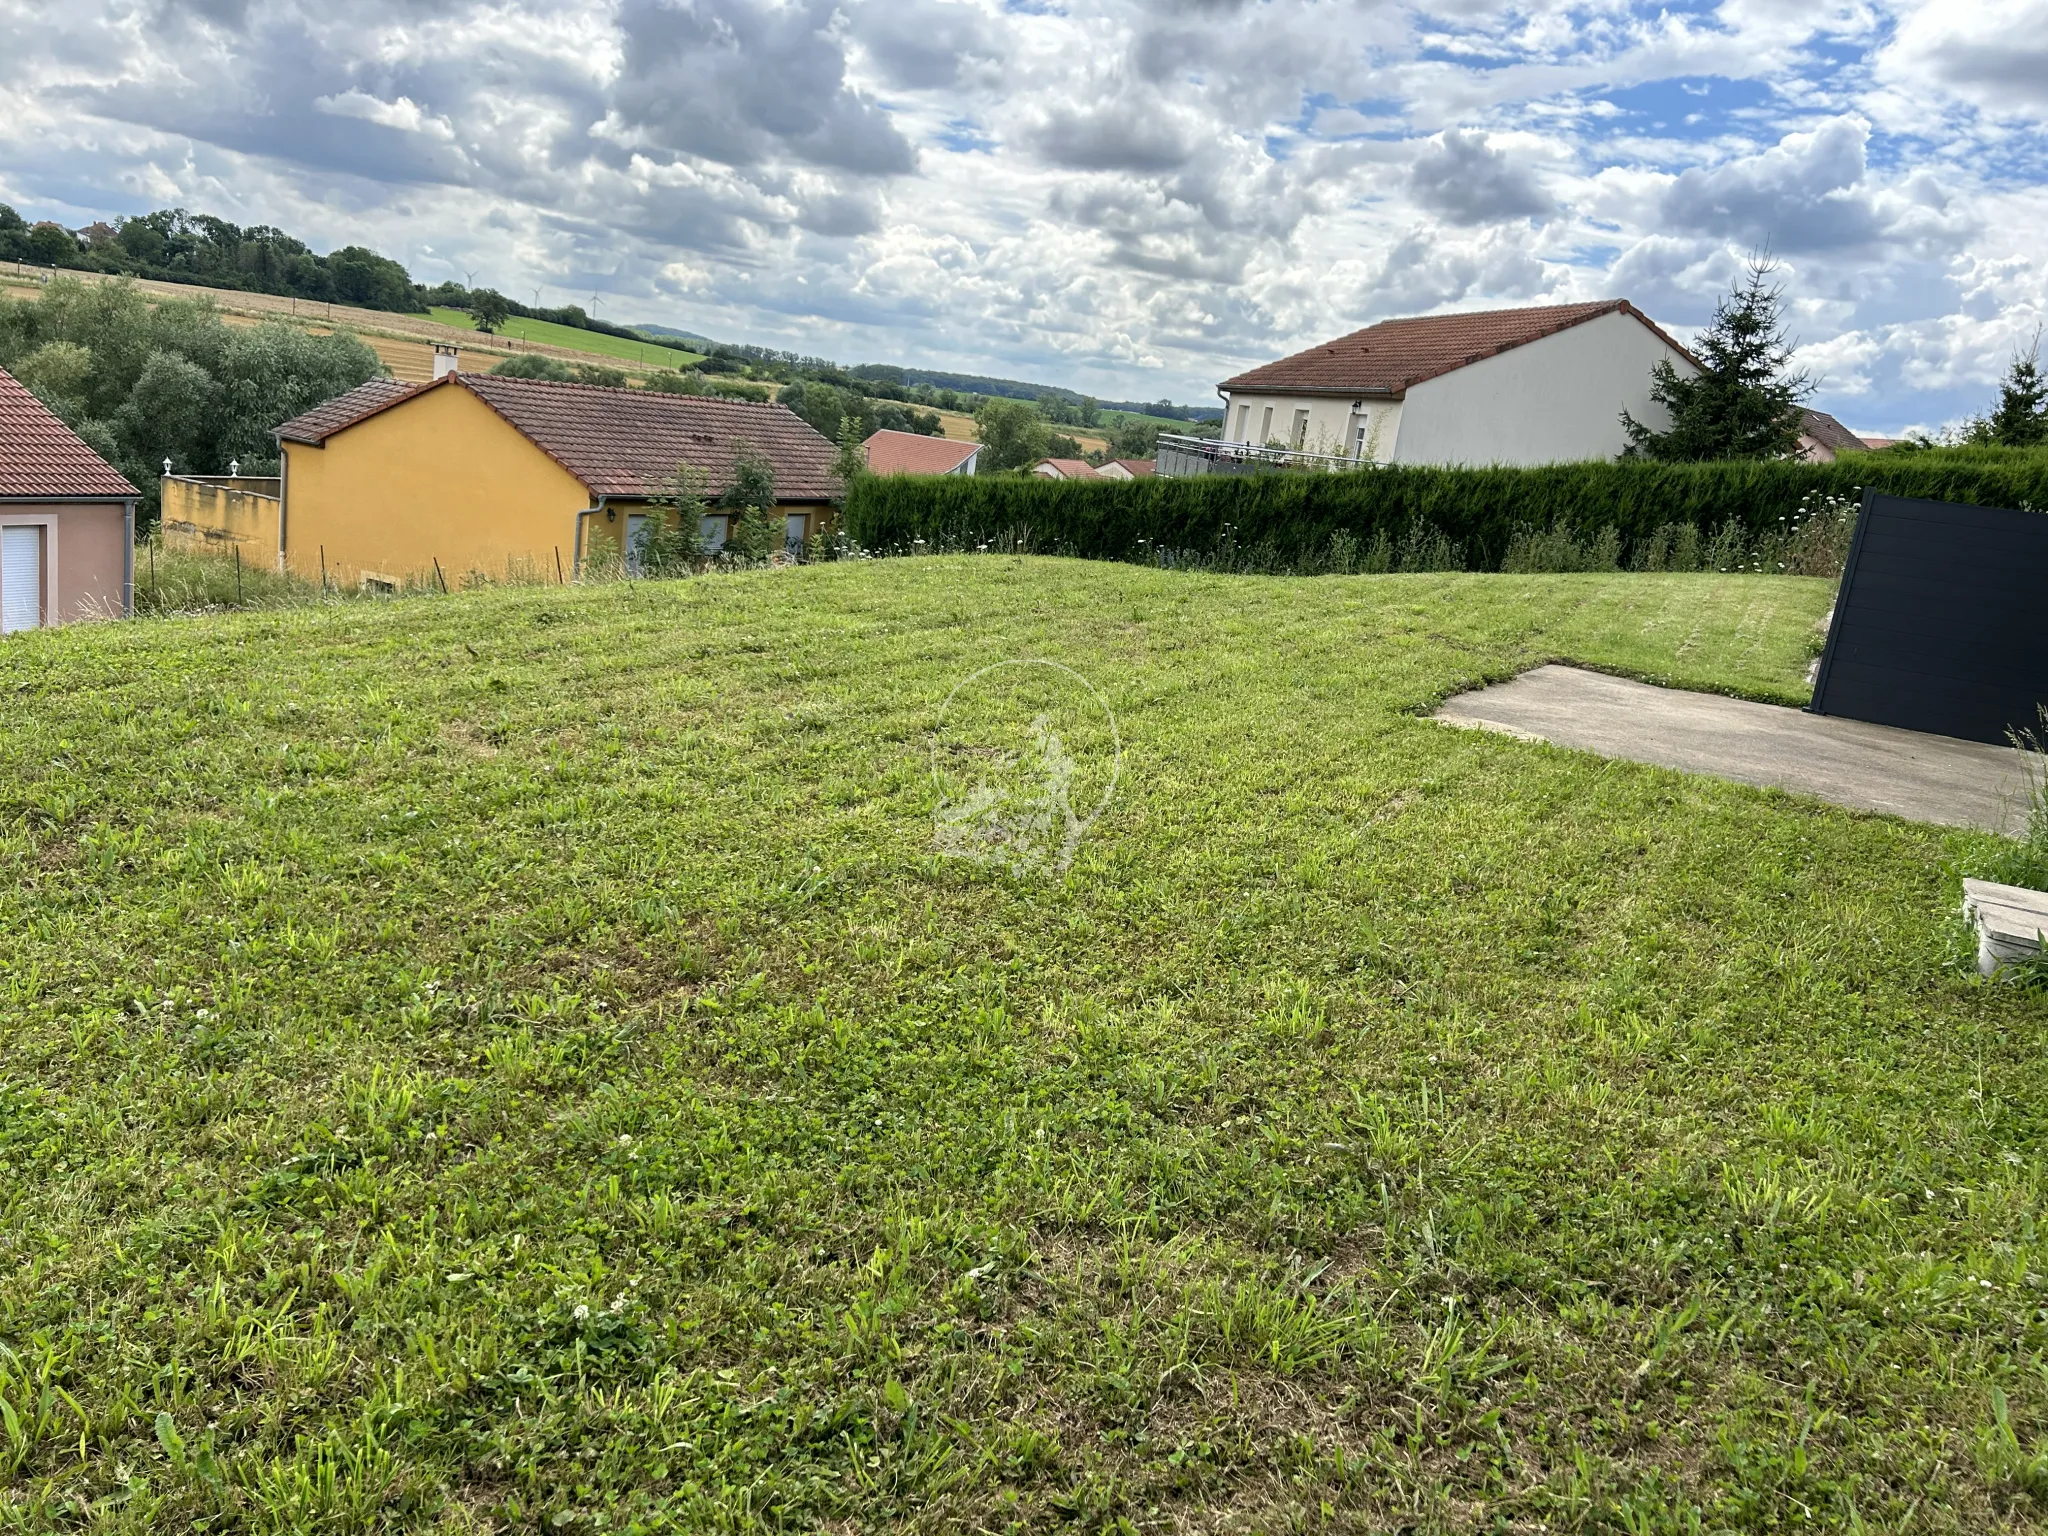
(1829, 433)
(1067, 469)
(40, 456)
(344, 410)
(1395, 355)
(1139, 468)
(617, 442)
(909, 453)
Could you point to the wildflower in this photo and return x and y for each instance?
(582, 1312)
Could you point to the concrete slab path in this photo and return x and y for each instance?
(1846, 762)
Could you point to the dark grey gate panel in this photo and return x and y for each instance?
(1942, 621)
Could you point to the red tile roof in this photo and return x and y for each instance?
(1829, 433)
(1395, 355)
(328, 418)
(910, 453)
(1139, 468)
(618, 442)
(40, 456)
(1067, 469)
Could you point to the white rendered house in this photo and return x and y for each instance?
(1544, 385)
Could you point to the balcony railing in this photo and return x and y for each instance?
(1184, 456)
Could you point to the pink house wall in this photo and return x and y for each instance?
(85, 547)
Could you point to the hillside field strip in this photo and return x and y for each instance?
(642, 354)
(404, 343)
(534, 1060)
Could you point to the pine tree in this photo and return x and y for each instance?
(1744, 403)
(2020, 419)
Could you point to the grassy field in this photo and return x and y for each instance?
(519, 1061)
(641, 353)
(959, 426)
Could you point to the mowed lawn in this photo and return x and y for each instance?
(518, 1061)
(596, 343)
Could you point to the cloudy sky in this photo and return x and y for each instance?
(1129, 196)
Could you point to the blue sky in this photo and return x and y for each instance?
(1134, 197)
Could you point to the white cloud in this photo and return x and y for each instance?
(1991, 55)
(1132, 196)
(404, 114)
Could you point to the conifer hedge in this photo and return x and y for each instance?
(1294, 514)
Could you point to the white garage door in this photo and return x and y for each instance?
(21, 579)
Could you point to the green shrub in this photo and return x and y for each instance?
(1740, 512)
(535, 365)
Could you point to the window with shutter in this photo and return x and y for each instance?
(21, 578)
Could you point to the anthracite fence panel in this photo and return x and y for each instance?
(1942, 621)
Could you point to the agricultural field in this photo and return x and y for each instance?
(597, 343)
(563, 1059)
(959, 426)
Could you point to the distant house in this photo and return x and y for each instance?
(1126, 469)
(67, 521)
(910, 453)
(1822, 439)
(1507, 386)
(1065, 469)
(477, 473)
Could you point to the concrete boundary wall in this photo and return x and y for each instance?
(218, 514)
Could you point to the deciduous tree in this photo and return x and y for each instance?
(1012, 434)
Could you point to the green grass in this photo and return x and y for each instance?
(597, 343)
(516, 1061)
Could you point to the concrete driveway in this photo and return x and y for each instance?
(1864, 767)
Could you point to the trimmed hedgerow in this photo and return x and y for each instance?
(1293, 517)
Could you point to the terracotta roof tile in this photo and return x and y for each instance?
(1068, 469)
(40, 456)
(618, 442)
(1394, 355)
(329, 417)
(910, 453)
(1829, 433)
(1139, 468)
(626, 442)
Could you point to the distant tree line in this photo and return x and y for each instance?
(1054, 404)
(829, 407)
(174, 246)
(143, 382)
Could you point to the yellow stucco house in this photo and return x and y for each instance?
(474, 475)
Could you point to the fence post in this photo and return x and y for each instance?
(443, 580)
(558, 567)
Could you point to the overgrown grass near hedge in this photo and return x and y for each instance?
(1293, 517)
